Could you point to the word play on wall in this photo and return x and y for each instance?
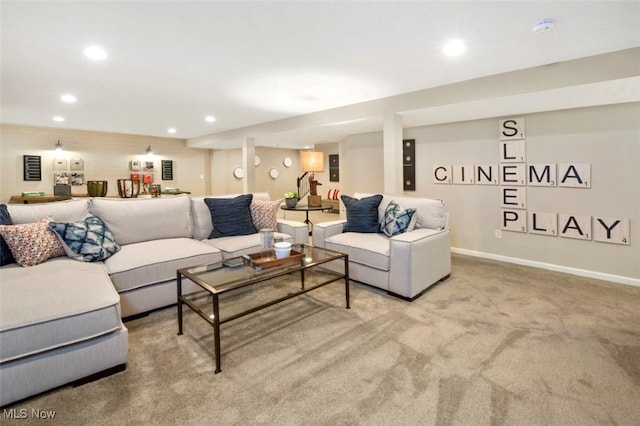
(513, 174)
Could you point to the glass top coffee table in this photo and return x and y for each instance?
(234, 275)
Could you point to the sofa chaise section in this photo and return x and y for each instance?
(57, 331)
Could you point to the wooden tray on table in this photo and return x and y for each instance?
(268, 259)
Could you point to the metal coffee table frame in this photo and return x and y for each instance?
(253, 277)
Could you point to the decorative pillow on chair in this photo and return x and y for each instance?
(31, 243)
(5, 253)
(362, 214)
(396, 221)
(231, 216)
(88, 240)
(265, 213)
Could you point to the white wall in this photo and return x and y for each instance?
(607, 137)
(106, 156)
(362, 163)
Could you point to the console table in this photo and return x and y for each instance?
(17, 199)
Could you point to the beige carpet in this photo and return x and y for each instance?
(496, 344)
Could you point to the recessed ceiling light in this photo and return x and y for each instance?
(210, 119)
(544, 25)
(58, 119)
(95, 53)
(68, 98)
(171, 130)
(454, 47)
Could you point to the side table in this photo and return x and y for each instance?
(306, 209)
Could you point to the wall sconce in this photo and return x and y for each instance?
(58, 151)
(150, 155)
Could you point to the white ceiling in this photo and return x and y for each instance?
(172, 63)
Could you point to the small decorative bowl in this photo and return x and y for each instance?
(282, 249)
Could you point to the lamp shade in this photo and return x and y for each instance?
(312, 161)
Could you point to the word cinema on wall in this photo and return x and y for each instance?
(513, 175)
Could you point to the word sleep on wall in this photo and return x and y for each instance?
(514, 175)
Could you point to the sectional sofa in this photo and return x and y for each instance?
(61, 320)
(404, 264)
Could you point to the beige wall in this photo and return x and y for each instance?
(106, 156)
(607, 137)
(225, 161)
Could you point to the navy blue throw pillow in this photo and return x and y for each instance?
(231, 216)
(5, 254)
(362, 214)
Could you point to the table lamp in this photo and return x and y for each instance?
(312, 161)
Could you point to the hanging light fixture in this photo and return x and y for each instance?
(149, 150)
(58, 146)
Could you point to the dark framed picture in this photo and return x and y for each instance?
(32, 167)
(334, 168)
(167, 170)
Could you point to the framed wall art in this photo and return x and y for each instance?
(77, 178)
(76, 165)
(59, 165)
(32, 167)
(167, 169)
(61, 178)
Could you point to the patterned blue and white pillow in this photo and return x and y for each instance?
(396, 221)
(88, 240)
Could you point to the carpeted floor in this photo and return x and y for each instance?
(496, 344)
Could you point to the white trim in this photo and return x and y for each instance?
(550, 266)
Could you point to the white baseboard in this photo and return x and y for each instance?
(550, 266)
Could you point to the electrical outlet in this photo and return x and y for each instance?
(498, 233)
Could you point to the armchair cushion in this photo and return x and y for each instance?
(362, 214)
(364, 248)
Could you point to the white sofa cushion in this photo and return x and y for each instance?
(241, 244)
(61, 211)
(38, 313)
(150, 262)
(364, 248)
(133, 220)
(430, 212)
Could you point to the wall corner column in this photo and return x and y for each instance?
(248, 165)
(392, 148)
